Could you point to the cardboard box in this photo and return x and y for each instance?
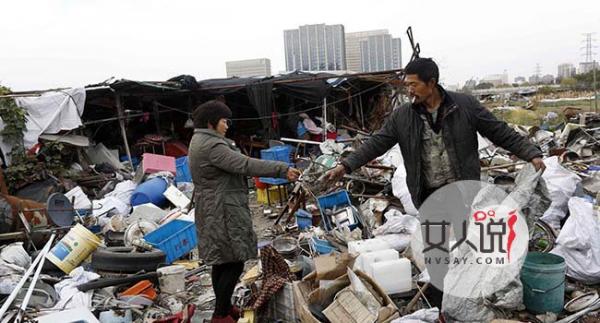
(305, 294)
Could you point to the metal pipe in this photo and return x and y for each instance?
(14, 293)
(123, 131)
(25, 301)
(310, 142)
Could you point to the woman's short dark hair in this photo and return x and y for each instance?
(210, 113)
(425, 68)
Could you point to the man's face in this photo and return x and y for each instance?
(418, 90)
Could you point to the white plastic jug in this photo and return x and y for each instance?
(394, 276)
(370, 258)
(369, 245)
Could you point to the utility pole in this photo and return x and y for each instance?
(595, 89)
(590, 64)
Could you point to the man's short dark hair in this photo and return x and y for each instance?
(425, 68)
(210, 112)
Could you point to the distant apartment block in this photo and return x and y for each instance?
(353, 56)
(249, 67)
(315, 48)
(380, 53)
(496, 79)
(565, 70)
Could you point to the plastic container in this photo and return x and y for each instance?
(73, 248)
(183, 170)
(303, 219)
(394, 276)
(171, 279)
(339, 199)
(258, 184)
(152, 163)
(366, 260)
(274, 196)
(322, 246)
(368, 245)
(278, 153)
(176, 239)
(134, 160)
(543, 277)
(150, 192)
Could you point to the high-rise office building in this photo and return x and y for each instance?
(249, 67)
(315, 48)
(353, 56)
(380, 53)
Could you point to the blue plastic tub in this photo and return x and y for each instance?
(303, 219)
(150, 192)
(322, 246)
(134, 160)
(339, 199)
(176, 239)
(278, 153)
(183, 170)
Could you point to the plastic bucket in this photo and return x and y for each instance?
(171, 279)
(150, 192)
(73, 249)
(543, 277)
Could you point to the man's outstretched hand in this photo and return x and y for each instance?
(335, 174)
(538, 163)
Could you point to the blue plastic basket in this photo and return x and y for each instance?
(322, 246)
(303, 219)
(278, 153)
(339, 199)
(183, 170)
(176, 239)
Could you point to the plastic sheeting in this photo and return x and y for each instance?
(394, 158)
(561, 184)
(397, 223)
(14, 260)
(70, 296)
(428, 315)
(578, 242)
(118, 200)
(48, 113)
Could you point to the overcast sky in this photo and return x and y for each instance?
(46, 44)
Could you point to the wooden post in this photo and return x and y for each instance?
(122, 126)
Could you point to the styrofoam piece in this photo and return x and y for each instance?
(394, 276)
(365, 261)
(81, 199)
(176, 197)
(368, 245)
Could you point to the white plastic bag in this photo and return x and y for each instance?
(426, 315)
(561, 184)
(578, 242)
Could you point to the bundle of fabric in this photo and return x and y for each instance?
(275, 274)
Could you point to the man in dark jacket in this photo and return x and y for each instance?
(437, 134)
